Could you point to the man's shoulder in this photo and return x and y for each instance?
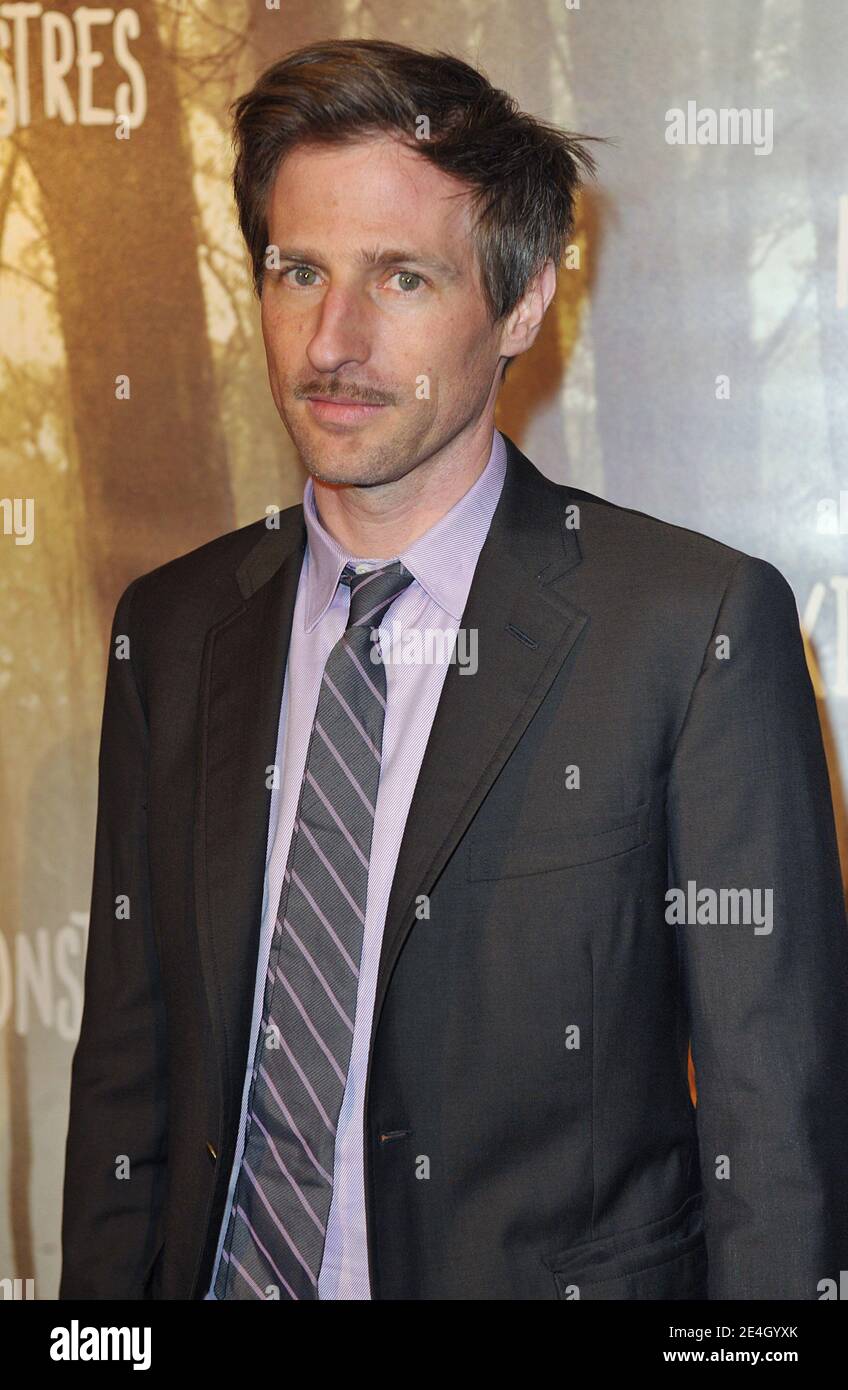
(611, 535)
(657, 551)
(169, 609)
(209, 572)
(633, 557)
(610, 523)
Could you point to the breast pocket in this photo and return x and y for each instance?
(584, 837)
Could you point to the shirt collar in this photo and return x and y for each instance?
(442, 560)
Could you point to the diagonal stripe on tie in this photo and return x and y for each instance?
(275, 1237)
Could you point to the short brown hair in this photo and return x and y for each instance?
(522, 174)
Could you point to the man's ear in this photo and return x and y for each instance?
(523, 324)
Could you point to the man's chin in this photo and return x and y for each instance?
(350, 476)
(333, 469)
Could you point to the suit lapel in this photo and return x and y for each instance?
(525, 627)
(242, 686)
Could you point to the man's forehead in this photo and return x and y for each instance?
(419, 191)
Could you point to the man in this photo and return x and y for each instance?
(445, 810)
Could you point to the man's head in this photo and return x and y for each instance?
(405, 222)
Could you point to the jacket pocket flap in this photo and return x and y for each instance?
(581, 841)
(660, 1253)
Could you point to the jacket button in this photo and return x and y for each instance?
(211, 1152)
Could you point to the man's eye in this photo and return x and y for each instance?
(408, 275)
(296, 269)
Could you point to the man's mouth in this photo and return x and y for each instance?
(335, 409)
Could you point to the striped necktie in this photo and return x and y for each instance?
(275, 1237)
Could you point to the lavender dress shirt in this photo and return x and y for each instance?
(442, 562)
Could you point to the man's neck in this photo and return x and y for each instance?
(379, 522)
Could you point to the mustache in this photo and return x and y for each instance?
(353, 395)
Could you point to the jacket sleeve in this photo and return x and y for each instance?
(115, 1152)
(749, 806)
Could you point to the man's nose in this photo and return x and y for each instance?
(343, 329)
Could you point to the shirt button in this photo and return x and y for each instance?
(363, 569)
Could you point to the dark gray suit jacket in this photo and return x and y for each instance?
(529, 1131)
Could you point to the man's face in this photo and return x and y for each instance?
(346, 317)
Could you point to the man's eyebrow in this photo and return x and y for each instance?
(376, 258)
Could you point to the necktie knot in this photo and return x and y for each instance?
(373, 592)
